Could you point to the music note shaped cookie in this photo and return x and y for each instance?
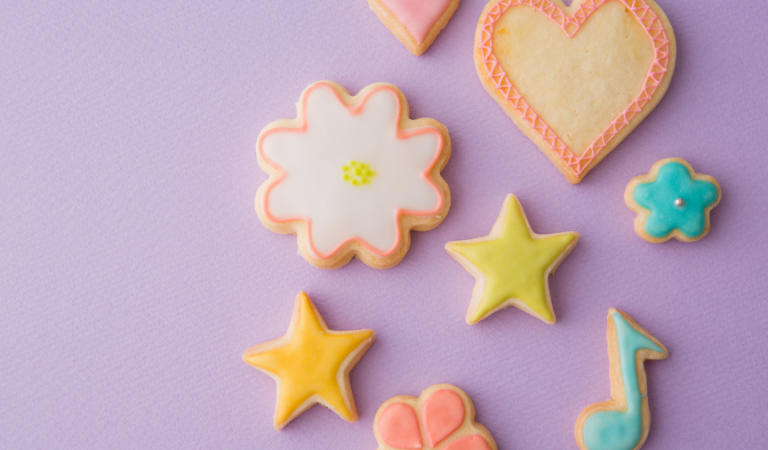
(441, 418)
(416, 23)
(622, 423)
(576, 79)
(311, 364)
(672, 201)
(512, 265)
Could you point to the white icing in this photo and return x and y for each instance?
(314, 187)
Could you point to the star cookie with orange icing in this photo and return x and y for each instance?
(512, 265)
(311, 364)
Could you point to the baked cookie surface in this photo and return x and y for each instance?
(415, 23)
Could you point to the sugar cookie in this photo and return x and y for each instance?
(622, 423)
(416, 23)
(512, 265)
(577, 79)
(672, 201)
(311, 364)
(442, 417)
(351, 176)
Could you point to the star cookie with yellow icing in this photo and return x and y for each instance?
(512, 265)
(311, 364)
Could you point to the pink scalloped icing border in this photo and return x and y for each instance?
(400, 133)
(570, 25)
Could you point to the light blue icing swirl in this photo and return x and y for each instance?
(621, 430)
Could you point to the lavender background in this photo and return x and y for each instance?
(134, 271)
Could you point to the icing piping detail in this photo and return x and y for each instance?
(400, 134)
(571, 25)
(442, 414)
(357, 173)
(622, 422)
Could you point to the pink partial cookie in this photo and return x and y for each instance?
(416, 23)
(623, 422)
(353, 175)
(442, 417)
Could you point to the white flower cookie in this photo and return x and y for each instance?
(575, 79)
(351, 176)
(311, 364)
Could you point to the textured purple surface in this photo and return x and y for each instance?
(134, 271)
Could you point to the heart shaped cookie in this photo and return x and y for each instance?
(416, 23)
(578, 79)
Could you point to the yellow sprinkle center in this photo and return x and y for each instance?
(357, 173)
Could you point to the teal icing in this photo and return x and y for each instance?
(672, 182)
(621, 430)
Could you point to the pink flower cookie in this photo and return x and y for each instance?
(576, 79)
(351, 176)
(416, 23)
(442, 417)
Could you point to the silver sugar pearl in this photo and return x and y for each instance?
(679, 202)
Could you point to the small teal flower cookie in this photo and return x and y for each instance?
(672, 201)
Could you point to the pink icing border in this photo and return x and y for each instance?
(437, 426)
(570, 25)
(399, 134)
(399, 427)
